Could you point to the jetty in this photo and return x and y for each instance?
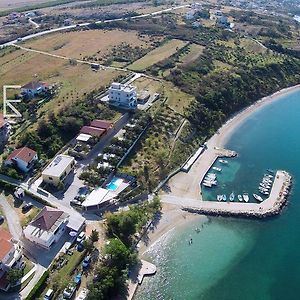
(269, 207)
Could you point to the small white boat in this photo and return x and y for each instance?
(207, 184)
(240, 198)
(223, 161)
(246, 197)
(219, 197)
(224, 198)
(231, 197)
(258, 198)
(217, 169)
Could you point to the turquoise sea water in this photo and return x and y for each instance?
(233, 259)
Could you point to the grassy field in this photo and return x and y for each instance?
(92, 44)
(158, 54)
(176, 99)
(194, 52)
(21, 67)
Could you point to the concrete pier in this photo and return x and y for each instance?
(271, 206)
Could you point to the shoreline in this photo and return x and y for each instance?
(184, 185)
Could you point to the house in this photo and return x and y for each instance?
(68, 22)
(24, 158)
(143, 97)
(57, 171)
(123, 96)
(33, 88)
(47, 227)
(10, 256)
(223, 22)
(93, 131)
(103, 124)
(4, 131)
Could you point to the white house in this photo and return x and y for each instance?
(97, 198)
(24, 158)
(122, 95)
(57, 171)
(33, 88)
(47, 227)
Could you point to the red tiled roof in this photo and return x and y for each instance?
(26, 154)
(46, 218)
(33, 85)
(101, 124)
(92, 131)
(5, 243)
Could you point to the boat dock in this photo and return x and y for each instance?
(269, 207)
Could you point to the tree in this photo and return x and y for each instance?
(94, 237)
(13, 275)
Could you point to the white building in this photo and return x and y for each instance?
(98, 198)
(47, 227)
(57, 171)
(24, 158)
(122, 95)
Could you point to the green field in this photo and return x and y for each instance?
(158, 54)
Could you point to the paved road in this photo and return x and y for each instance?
(45, 32)
(11, 218)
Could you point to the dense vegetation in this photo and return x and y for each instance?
(120, 254)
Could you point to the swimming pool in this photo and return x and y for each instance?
(114, 184)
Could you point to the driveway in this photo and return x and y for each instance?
(11, 218)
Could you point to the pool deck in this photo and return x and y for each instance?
(271, 206)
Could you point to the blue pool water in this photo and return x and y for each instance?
(114, 184)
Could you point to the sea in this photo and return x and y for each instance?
(240, 259)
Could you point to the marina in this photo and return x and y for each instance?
(270, 206)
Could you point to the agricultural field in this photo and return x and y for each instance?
(92, 45)
(157, 55)
(8, 4)
(193, 52)
(21, 67)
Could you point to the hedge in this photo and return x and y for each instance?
(34, 293)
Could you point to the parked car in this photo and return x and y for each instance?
(75, 202)
(82, 193)
(77, 279)
(80, 247)
(1, 219)
(82, 295)
(48, 295)
(86, 262)
(27, 206)
(69, 291)
(81, 237)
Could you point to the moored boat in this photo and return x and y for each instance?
(240, 198)
(231, 197)
(223, 161)
(217, 169)
(246, 197)
(258, 198)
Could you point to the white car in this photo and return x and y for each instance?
(81, 237)
(82, 295)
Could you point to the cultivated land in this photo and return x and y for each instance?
(9, 4)
(92, 45)
(158, 54)
(194, 51)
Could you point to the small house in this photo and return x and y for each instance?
(23, 158)
(33, 89)
(123, 96)
(57, 171)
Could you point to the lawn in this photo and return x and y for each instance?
(158, 54)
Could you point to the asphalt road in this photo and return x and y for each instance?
(45, 32)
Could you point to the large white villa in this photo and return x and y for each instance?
(122, 95)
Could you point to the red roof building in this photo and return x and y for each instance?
(23, 157)
(93, 131)
(102, 124)
(5, 243)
